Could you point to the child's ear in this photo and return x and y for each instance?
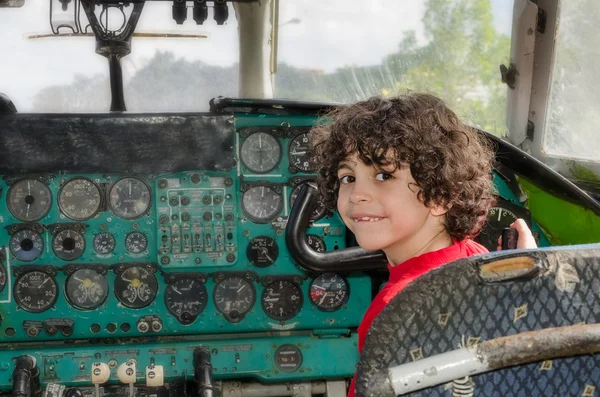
(439, 210)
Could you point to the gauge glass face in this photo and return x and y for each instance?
(329, 292)
(299, 154)
(260, 152)
(26, 245)
(185, 299)
(315, 242)
(136, 287)
(262, 251)
(261, 204)
(317, 213)
(129, 198)
(79, 199)
(2, 278)
(234, 296)
(136, 242)
(29, 200)
(36, 291)
(282, 299)
(68, 244)
(86, 289)
(104, 243)
(498, 218)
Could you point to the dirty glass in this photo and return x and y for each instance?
(573, 113)
(344, 51)
(161, 74)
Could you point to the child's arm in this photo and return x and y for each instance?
(525, 240)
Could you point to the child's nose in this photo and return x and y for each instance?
(360, 193)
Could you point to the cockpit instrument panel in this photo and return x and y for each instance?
(189, 256)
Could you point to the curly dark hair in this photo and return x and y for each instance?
(450, 162)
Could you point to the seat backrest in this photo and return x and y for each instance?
(486, 297)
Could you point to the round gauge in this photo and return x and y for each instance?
(186, 298)
(282, 299)
(329, 292)
(29, 200)
(68, 244)
(315, 242)
(260, 152)
(2, 278)
(79, 199)
(261, 204)
(26, 245)
(497, 219)
(36, 291)
(262, 251)
(136, 242)
(299, 154)
(104, 243)
(86, 289)
(234, 296)
(129, 198)
(288, 358)
(136, 287)
(317, 213)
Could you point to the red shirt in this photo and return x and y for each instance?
(405, 273)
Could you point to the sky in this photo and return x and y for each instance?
(317, 37)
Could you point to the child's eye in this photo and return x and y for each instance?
(346, 179)
(383, 176)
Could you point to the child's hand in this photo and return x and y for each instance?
(526, 239)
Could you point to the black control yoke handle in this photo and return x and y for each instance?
(343, 260)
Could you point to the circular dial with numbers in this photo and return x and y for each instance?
(29, 200)
(104, 243)
(185, 299)
(260, 152)
(282, 299)
(261, 204)
(26, 245)
(329, 292)
(299, 154)
(129, 198)
(86, 289)
(234, 296)
(68, 244)
(79, 199)
(136, 287)
(262, 251)
(35, 291)
(319, 210)
(497, 219)
(136, 242)
(315, 242)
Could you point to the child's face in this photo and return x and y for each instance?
(382, 209)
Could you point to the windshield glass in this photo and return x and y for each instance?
(161, 74)
(337, 50)
(344, 51)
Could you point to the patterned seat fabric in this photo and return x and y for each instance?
(459, 305)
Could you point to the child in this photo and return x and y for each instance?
(407, 177)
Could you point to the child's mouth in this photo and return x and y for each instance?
(366, 219)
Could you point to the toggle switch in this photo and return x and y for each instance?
(155, 375)
(127, 374)
(100, 375)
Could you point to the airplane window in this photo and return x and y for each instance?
(573, 118)
(336, 52)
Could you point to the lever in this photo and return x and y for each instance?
(100, 375)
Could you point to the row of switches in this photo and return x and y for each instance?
(127, 375)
